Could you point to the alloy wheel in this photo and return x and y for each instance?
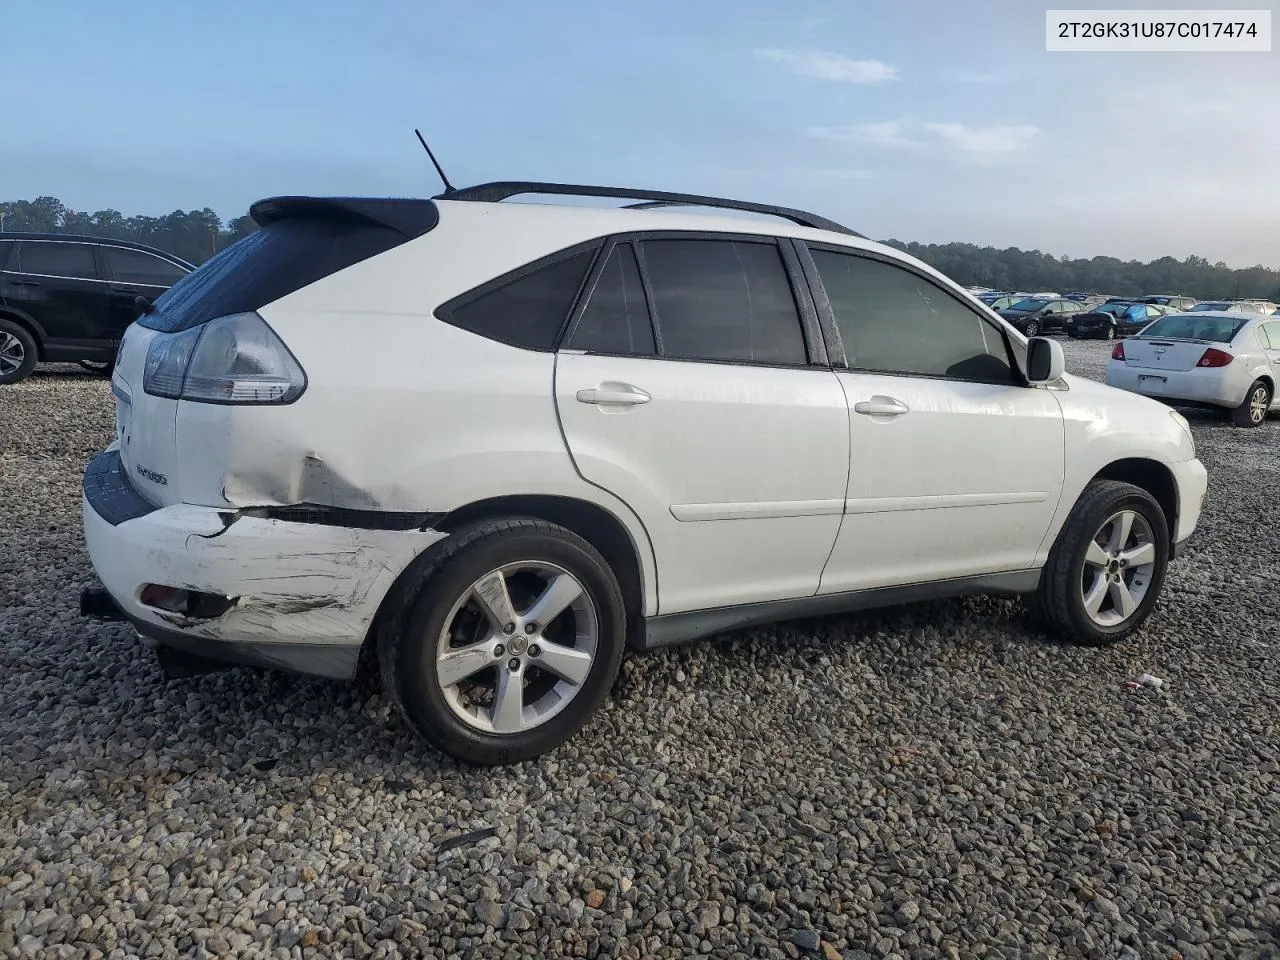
(517, 647)
(1119, 566)
(12, 353)
(1258, 403)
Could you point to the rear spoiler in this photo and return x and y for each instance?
(408, 217)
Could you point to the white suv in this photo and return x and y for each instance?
(494, 444)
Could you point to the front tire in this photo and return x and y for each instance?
(1033, 328)
(512, 640)
(1111, 332)
(1253, 410)
(17, 352)
(1106, 570)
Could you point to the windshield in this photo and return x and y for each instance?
(1031, 303)
(1217, 329)
(1213, 305)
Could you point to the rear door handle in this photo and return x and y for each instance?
(611, 392)
(879, 406)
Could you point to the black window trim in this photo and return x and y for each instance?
(836, 350)
(444, 312)
(815, 349)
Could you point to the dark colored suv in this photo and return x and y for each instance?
(1036, 315)
(69, 298)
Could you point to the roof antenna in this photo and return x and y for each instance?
(448, 187)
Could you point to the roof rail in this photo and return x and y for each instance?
(504, 189)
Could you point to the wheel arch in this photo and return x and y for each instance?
(1152, 476)
(594, 523)
(28, 323)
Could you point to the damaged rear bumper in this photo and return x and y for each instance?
(292, 594)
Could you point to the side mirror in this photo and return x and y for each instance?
(1045, 360)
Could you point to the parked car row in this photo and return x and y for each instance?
(1115, 318)
(1085, 315)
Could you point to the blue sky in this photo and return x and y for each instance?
(917, 119)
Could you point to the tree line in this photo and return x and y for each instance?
(196, 235)
(1031, 270)
(193, 235)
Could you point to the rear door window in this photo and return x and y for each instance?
(135, 266)
(57, 259)
(6, 248)
(725, 300)
(616, 317)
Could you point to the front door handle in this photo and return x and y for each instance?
(613, 392)
(879, 406)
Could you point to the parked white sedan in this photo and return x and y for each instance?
(1220, 360)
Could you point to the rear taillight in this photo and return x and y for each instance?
(1117, 352)
(235, 359)
(1214, 358)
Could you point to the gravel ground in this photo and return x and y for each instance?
(934, 781)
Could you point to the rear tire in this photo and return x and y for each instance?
(1253, 410)
(101, 369)
(1114, 530)
(17, 352)
(522, 687)
(1111, 332)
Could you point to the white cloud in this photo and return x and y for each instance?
(986, 144)
(821, 65)
(979, 144)
(892, 133)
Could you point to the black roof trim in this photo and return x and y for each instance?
(410, 217)
(84, 238)
(504, 189)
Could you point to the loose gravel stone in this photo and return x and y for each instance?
(812, 778)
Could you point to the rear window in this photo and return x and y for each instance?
(1216, 329)
(284, 256)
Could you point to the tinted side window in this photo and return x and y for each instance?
(54, 259)
(724, 300)
(6, 248)
(616, 318)
(134, 266)
(894, 321)
(527, 312)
